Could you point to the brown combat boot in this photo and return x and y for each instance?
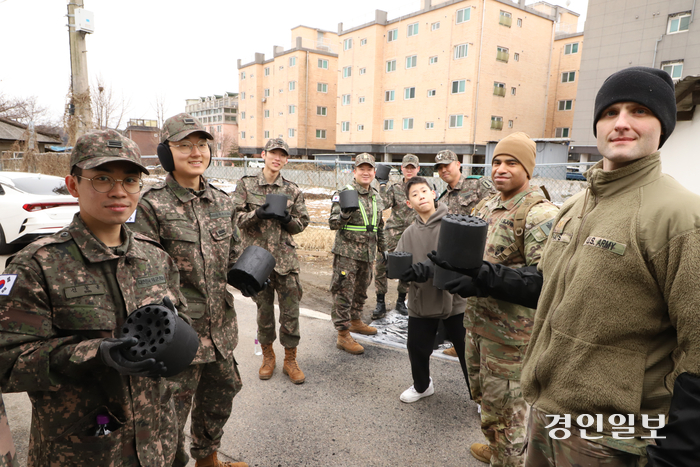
(451, 352)
(482, 452)
(212, 461)
(291, 367)
(356, 325)
(348, 344)
(268, 363)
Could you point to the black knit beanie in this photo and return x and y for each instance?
(651, 87)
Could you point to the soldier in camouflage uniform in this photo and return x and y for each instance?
(394, 198)
(195, 223)
(498, 331)
(8, 456)
(61, 300)
(274, 233)
(359, 236)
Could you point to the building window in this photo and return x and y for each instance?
(292, 85)
(388, 96)
(243, 115)
(429, 125)
(409, 93)
(456, 121)
(281, 113)
(571, 48)
(460, 51)
(411, 61)
(344, 126)
(510, 123)
(322, 111)
(242, 134)
(322, 87)
(520, 22)
(496, 123)
(281, 67)
(242, 74)
(392, 35)
(566, 105)
(267, 71)
(432, 60)
(512, 91)
(267, 134)
(347, 44)
(361, 100)
(363, 71)
(568, 77)
(435, 26)
(561, 133)
(323, 63)
(363, 42)
(320, 134)
(346, 99)
(266, 92)
(432, 92)
(347, 71)
(675, 69)
(408, 123)
(678, 22)
(389, 124)
(360, 127)
(281, 90)
(499, 89)
(458, 86)
(505, 19)
(502, 54)
(292, 109)
(412, 30)
(243, 95)
(390, 66)
(464, 15)
(516, 56)
(292, 61)
(267, 113)
(291, 133)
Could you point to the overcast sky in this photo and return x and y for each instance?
(170, 48)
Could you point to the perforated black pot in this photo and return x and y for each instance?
(397, 263)
(349, 199)
(462, 240)
(443, 276)
(161, 335)
(252, 268)
(383, 172)
(277, 204)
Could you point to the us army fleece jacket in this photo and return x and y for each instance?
(618, 318)
(424, 299)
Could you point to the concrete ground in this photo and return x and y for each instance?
(347, 412)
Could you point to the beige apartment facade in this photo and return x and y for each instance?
(219, 114)
(453, 75)
(291, 96)
(563, 80)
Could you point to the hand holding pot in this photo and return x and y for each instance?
(472, 272)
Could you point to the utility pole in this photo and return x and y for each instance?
(80, 108)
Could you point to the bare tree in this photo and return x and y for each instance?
(160, 109)
(108, 110)
(23, 110)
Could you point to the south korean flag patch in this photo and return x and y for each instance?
(7, 281)
(132, 217)
(336, 198)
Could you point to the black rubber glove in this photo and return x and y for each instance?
(286, 219)
(110, 352)
(463, 286)
(446, 265)
(418, 272)
(262, 212)
(348, 211)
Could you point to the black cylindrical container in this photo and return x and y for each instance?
(382, 172)
(161, 335)
(398, 262)
(462, 240)
(277, 204)
(443, 276)
(349, 199)
(252, 268)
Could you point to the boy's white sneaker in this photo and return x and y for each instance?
(411, 395)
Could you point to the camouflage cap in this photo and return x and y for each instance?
(276, 143)
(410, 159)
(364, 158)
(181, 126)
(99, 147)
(445, 157)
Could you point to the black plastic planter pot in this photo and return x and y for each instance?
(252, 268)
(383, 172)
(277, 204)
(443, 276)
(462, 240)
(398, 262)
(161, 335)
(349, 199)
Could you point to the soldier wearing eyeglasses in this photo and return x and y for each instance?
(195, 223)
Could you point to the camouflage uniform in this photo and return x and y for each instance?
(276, 238)
(70, 292)
(498, 331)
(198, 230)
(8, 456)
(354, 253)
(466, 194)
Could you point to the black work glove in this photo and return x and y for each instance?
(286, 219)
(347, 211)
(110, 352)
(418, 272)
(262, 212)
(463, 286)
(446, 265)
(248, 290)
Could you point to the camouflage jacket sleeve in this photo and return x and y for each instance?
(537, 227)
(245, 216)
(300, 216)
(146, 221)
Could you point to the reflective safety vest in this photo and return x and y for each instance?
(367, 227)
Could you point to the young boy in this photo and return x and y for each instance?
(427, 305)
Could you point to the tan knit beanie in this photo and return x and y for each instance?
(520, 146)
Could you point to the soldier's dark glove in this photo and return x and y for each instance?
(263, 213)
(462, 286)
(246, 289)
(418, 272)
(110, 352)
(286, 219)
(348, 211)
(473, 272)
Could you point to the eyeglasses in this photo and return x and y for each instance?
(104, 183)
(186, 147)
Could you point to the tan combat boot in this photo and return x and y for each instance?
(347, 343)
(212, 461)
(482, 452)
(268, 363)
(356, 325)
(291, 367)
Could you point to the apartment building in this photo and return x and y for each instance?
(219, 114)
(620, 34)
(291, 95)
(561, 102)
(453, 75)
(145, 133)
